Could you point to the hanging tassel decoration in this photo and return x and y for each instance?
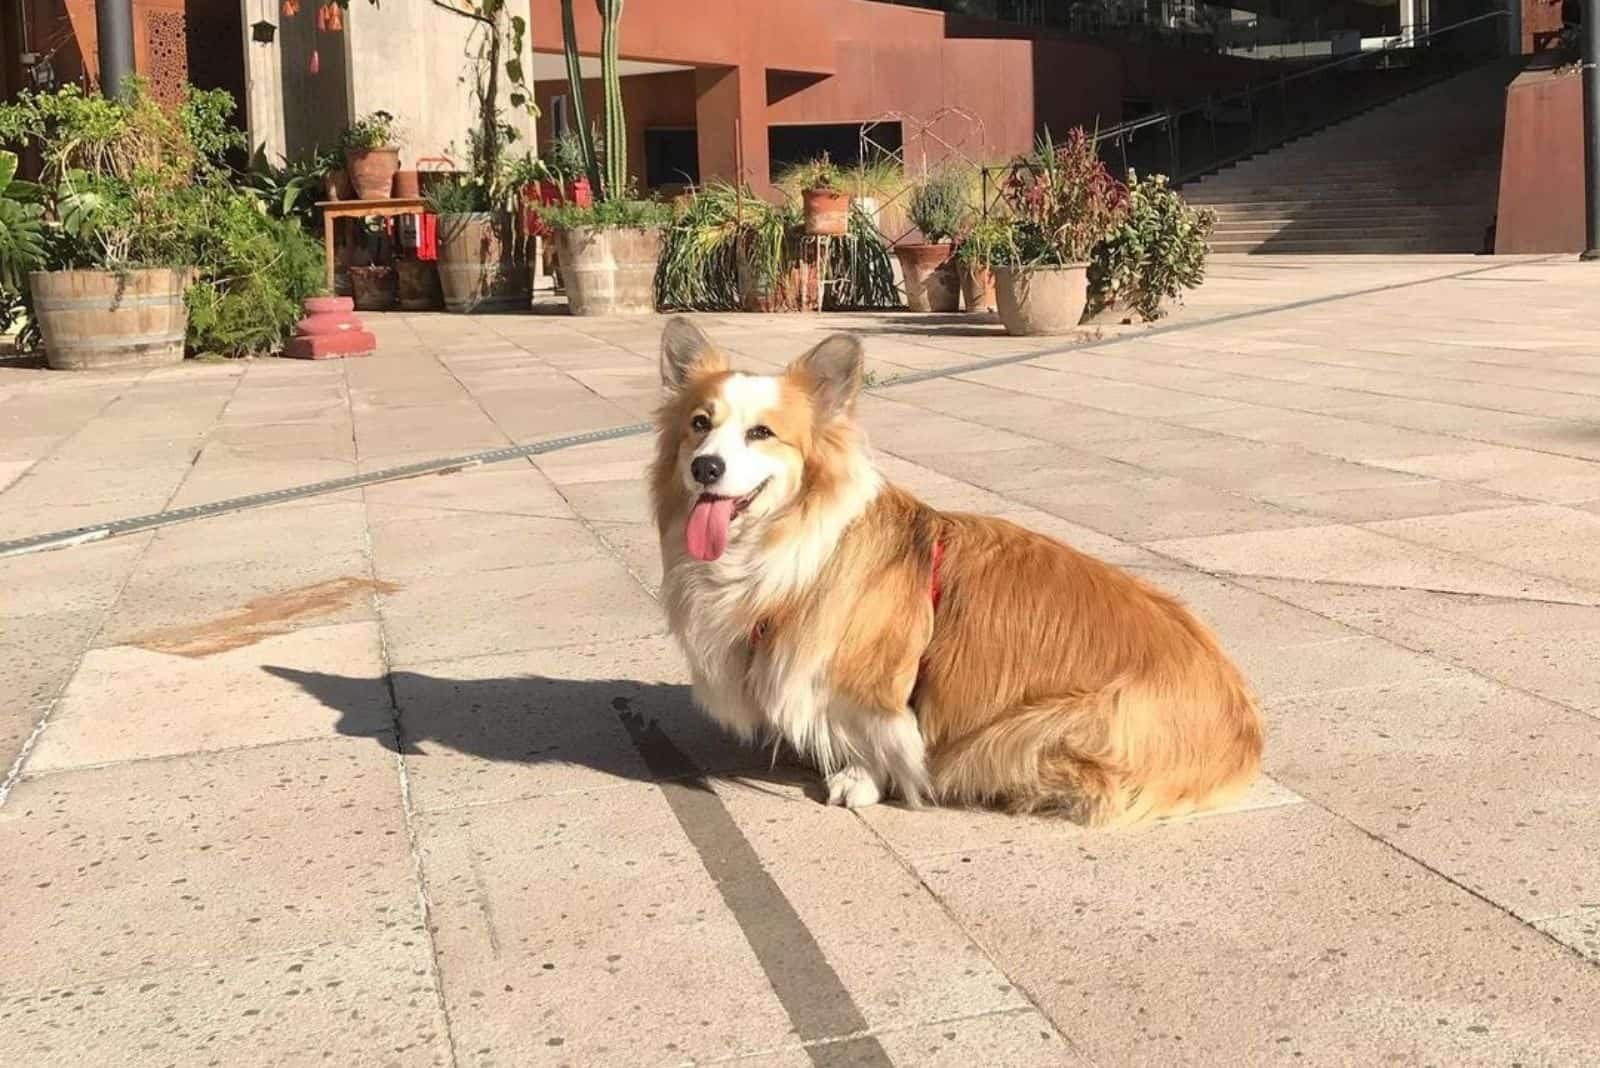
(316, 62)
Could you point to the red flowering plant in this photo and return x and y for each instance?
(1061, 202)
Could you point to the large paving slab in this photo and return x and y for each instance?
(410, 774)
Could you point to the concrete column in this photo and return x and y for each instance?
(1591, 130)
(1413, 20)
(113, 21)
(731, 124)
(263, 80)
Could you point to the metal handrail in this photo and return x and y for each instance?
(1282, 81)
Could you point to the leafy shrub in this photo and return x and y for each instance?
(120, 175)
(375, 130)
(257, 272)
(127, 184)
(939, 205)
(609, 215)
(1062, 202)
(459, 196)
(819, 173)
(22, 230)
(699, 268)
(564, 157)
(289, 190)
(1157, 251)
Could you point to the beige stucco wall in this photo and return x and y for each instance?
(407, 58)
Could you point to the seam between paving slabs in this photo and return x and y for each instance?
(413, 843)
(1393, 847)
(14, 774)
(1314, 519)
(96, 532)
(812, 995)
(810, 992)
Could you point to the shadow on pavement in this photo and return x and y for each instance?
(532, 719)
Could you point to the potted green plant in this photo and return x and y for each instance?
(1061, 202)
(481, 268)
(1152, 256)
(826, 208)
(118, 189)
(984, 241)
(937, 207)
(371, 155)
(22, 231)
(609, 252)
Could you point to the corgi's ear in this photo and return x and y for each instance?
(686, 352)
(832, 374)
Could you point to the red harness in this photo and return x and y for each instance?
(935, 590)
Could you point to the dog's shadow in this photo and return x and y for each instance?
(623, 728)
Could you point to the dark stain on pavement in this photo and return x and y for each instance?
(262, 618)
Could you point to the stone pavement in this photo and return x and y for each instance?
(409, 776)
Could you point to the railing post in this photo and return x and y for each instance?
(1591, 129)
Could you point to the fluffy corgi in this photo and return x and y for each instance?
(939, 657)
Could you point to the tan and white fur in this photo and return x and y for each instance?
(798, 583)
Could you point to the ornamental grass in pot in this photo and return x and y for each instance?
(937, 206)
(482, 262)
(608, 253)
(1060, 203)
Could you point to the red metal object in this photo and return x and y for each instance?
(546, 193)
(329, 331)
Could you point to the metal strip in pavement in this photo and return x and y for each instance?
(63, 539)
(811, 992)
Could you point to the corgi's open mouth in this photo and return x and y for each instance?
(706, 536)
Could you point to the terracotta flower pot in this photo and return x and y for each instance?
(932, 284)
(372, 171)
(407, 185)
(827, 212)
(977, 287)
(609, 270)
(1041, 300)
(374, 288)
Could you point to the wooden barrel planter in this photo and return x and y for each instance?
(609, 270)
(479, 269)
(105, 320)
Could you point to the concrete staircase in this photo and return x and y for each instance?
(1418, 174)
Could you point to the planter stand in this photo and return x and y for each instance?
(330, 331)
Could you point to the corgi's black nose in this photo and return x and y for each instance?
(707, 469)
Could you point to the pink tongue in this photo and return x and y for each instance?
(707, 535)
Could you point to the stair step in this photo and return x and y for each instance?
(1375, 246)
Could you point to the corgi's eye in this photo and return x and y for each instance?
(758, 433)
(700, 424)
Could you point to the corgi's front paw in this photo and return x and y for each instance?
(853, 787)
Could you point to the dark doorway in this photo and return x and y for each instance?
(671, 156)
(789, 145)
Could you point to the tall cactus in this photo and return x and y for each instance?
(580, 110)
(616, 125)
